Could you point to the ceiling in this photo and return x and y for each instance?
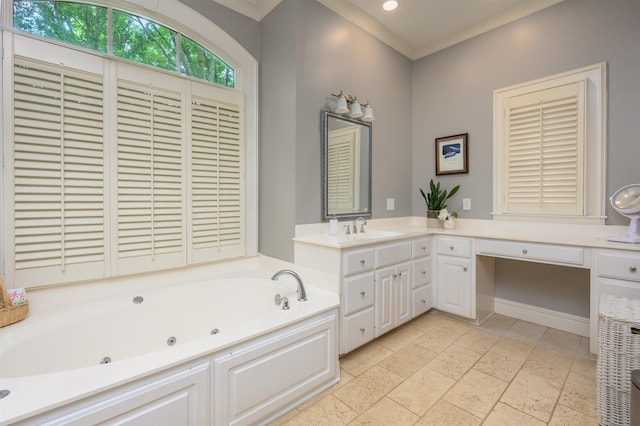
(417, 27)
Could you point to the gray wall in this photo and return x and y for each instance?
(245, 30)
(453, 88)
(309, 52)
(452, 93)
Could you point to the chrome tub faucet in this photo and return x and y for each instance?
(302, 293)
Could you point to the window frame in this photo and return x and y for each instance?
(594, 169)
(201, 30)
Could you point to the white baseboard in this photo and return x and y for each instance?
(547, 317)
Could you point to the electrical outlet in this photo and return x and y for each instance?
(466, 204)
(390, 204)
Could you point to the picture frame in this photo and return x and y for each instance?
(451, 154)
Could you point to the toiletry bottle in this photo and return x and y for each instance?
(333, 226)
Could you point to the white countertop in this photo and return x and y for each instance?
(395, 229)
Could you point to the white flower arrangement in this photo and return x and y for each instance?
(445, 215)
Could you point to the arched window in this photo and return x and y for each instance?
(121, 34)
(113, 167)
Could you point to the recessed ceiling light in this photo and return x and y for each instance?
(389, 5)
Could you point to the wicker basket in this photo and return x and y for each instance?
(618, 355)
(8, 313)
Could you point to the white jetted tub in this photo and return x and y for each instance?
(217, 351)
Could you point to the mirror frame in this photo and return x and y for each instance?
(326, 115)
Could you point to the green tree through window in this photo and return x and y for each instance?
(135, 38)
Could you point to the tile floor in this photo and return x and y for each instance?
(435, 370)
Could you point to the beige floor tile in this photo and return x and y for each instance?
(285, 418)
(386, 412)
(549, 364)
(585, 367)
(476, 392)
(362, 359)
(364, 390)
(498, 324)
(426, 321)
(454, 361)
(327, 411)
(501, 362)
(529, 328)
(477, 340)
(454, 324)
(399, 338)
(447, 414)
(344, 379)
(438, 338)
(561, 341)
(532, 395)
(519, 345)
(503, 415)
(565, 416)
(579, 393)
(420, 391)
(408, 360)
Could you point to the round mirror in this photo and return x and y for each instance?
(626, 201)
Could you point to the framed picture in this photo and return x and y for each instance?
(451, 155)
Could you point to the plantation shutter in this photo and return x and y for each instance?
(217, 170)
(150, 219)
(343, 169)
(59, 205)
(544, 151)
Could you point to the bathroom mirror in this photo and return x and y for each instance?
(346, 167)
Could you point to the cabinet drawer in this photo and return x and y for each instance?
(451, 246)
(421, 300)
(421, 272)
(358, 293)
(393, 253)
(619, 265)
(421, 247)
(359, 261)
(358, 330)
(532, 251)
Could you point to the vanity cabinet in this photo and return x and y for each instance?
(421, 276)
(455, 288)
(393, 297)
(358, 298)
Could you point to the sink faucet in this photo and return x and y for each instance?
(302, 293)
(355, 225)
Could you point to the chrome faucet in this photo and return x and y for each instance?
(302, 293)
(355, 225)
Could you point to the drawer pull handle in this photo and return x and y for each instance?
(424, 248)
(524, 251)
(362, 293)
(424, 272)
(632, 269)
(362, 329)
(399, 274)
(450, 247)
(395, 275)
(362, 262)
(424, 301)
(464, 269)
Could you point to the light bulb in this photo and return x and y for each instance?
(389, 5)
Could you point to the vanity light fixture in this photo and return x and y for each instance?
(350, 106)
(389, 5)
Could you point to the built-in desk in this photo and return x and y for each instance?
(614, 267)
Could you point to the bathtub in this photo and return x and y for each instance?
(215, 351)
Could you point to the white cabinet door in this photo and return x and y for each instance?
(454, 286)
(403, 293)
(385, 309)
(393, 297)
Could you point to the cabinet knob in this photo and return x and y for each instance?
(524, 251)
(464, 269)
(424, 248)
(362, 293)
(395, 275)
(632, 268)
(424, 301)
(362, 262)
(399, 274)
(450, 247)
(362, 329)
(424, 272)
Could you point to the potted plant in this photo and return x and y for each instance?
(437, 198)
